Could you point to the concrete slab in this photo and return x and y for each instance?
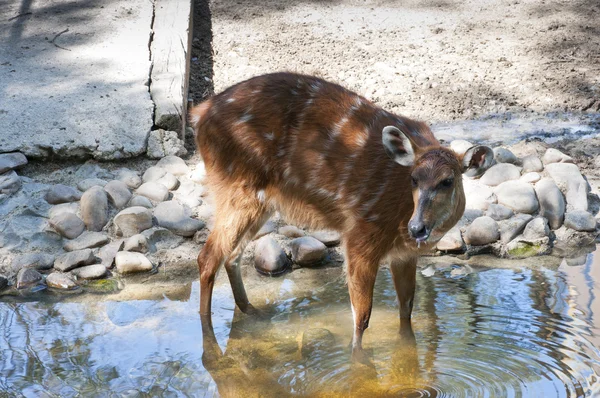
(74, 78)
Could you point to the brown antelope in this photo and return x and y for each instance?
(325, 157)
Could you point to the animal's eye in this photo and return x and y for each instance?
(447, 183)
(414, 181)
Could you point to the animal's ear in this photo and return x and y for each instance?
(477, 160)
(398, 146)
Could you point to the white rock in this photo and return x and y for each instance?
(499, 212)
(94, 208)
(132, 262)
(531, 177)
(536, 229)
(327, 237)
(503, 155)
(129, 177)
(460, 146)
(477, 195)
(163, 143)
(517, 195)
(555, 156)
(569, 180)
(500, 173)
(90, 182)
(169, 181)
(136, 243)
(174, 165)
(552, 202)
(532, 163)
(199, 173)
(153, 173)
(132, 221)
(143, 201)
(72, 207)
(153, 191)
(482, 231)
(118, 193)
(173, 216)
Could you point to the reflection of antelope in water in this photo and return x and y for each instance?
(326, 158)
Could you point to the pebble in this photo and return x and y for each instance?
(569, 180)
(580, 220)
(39, 261)
(484, 230)
(143, 201)
(9, 182)
(68, 225)
(60, 193)
(531, 177)
(90, 182)
(11, 161)
(67, 261)
(107, 253)
(460, 147)
(118, 193)
(266, 229)
(92, 170)
(555, 156)
(129, 177)
(132, 262)
(532, 163)
(316, 340)
(153, 191)
(327, 237)
(169, 181)
(499, 212)
(503, 155)
(477, 195)
(58, 280)
(132, 221)
(136, 243)
(552, 202)
(172, 215)
(94, 208)
(308, 251)
(291, 231)
(174, 165)
(269, 257)
(27, 277)
(500, 173)
(94, 271)
(87, 240)
(55, 210)
(511, 228)
(153, 173)
(536, 229)
(517, 195)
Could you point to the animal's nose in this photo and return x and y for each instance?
(418, 230)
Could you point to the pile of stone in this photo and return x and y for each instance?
(522, 207)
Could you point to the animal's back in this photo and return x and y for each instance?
(310, 147)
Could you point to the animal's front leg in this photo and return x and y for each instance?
(404, 273)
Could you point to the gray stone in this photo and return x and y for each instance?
(315, 341)
(93, 271)
(46, 241)
(55, 210)
(3, 282)
(136, 243)
(536, 229)
(132, 262)
(173, 216)
(60, 193)
(169, 181)
(68, 261)
(118, 193)
(555, 156)
(532, 163)
(107, 253)
(451, 241)
(572, 243)
(39, 261)
(90, 182)
(291, 231)
(87, 240)
(569, 180)
(153, 173)
(503, 155)
(163, 143)
(132, 221)
(266, 229)
(308, 251)
(552, 202)
(28, 277)
(499, 212)
(153, 191)
(58, 280)
(460, 147)
(68, 225)
(269, 257)
(580, 220)
(576, 261)
(327, 237)
(517, 195)
(174, 165)
(511, 228)
(91, 169)
(11, 161)
(500, 173)
(94, 208)
(9, 182)
(483, 231)
(477, 195)
(129, 177)
(162, 239)
(531, 177)
(143, 201)
(524, 248)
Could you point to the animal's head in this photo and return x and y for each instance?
(436, 179)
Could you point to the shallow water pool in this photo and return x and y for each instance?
(493, 332)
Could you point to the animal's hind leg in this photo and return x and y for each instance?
(232, 265)
(236, 215)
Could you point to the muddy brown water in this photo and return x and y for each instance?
(494, 332)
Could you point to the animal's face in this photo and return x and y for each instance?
(436, 181)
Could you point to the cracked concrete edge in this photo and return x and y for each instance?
(170, 58)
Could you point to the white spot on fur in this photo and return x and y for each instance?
(195, 119)
(261, 196)
(281, 152)
(373, 218)
(361, 139)
(230, 100)
(270, 136)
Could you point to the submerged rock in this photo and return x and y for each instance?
(27, 277)
(315, 340)
(58, 280)
(523, 248)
